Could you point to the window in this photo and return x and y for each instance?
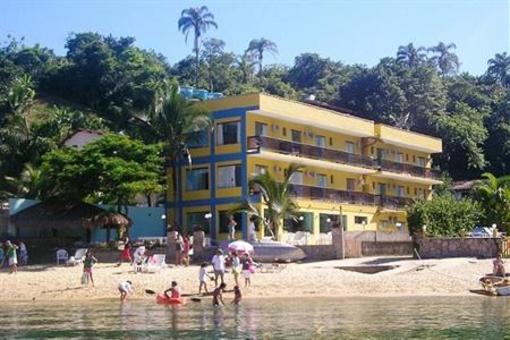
(303, 223)
(400, 157)
(351, 184)
(197, 220)
(260, 129)
(199, 139)
(284, 132)
(327, 221)
(297, 178)
(223, 221)
(400, 191)
(260, 169)
(320, 141)
(197, 179)
(296, 136)
(228, 133)
(360, 220)
(321, 180)
(421, 193)
(381, 154)
(422, 162)
(350, 147)
(229, 176)
(380, 189)
(330, 141)
(384, 224)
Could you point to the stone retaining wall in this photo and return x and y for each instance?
(458, 247)
(386, 248)
(319, 252)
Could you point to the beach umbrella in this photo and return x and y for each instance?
(240, 247)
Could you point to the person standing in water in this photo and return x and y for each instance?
(218, 295)
(237, 296)
(232, 224)
(125, 288)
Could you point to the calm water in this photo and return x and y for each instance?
(349, 318)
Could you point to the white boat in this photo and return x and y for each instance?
(496, 285)
(271, 251)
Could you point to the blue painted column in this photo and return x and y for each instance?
(244, 173)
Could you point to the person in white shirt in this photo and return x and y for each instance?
(125, 287)
(252, 235)
(218, 263)
(202, 275)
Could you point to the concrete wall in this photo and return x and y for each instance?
(458, 247)
(387, 248)
(319, 252)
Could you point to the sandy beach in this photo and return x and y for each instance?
(455, 276)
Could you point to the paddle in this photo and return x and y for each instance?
(150, 291)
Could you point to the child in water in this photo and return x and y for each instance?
(176, 293)
(217, 298)
(237, 295)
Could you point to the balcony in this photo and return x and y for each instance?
(392, 202)
(409, 169)
(255, 143)
(341, 196)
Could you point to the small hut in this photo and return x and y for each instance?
(56, 219)
(110, 220)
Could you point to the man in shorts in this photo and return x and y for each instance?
(218, 263)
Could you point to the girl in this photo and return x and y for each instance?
(236, 267)
(88, 263)
(247, 269)
(202, 274)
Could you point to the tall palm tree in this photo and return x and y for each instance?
(499, 68)
(447, 61)
(198, 19)
(258, 47)
(494, 196)
(177, 123)
(411, 56)
(246, 65)
(276, 197)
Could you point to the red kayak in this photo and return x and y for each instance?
(162, 299)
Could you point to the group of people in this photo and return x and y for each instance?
(10, 253)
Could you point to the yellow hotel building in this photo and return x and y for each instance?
(354, 171)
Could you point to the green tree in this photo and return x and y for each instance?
(177, 123)
(447, 62)
(443, 216)
(198, 19)
(499, 68)
(494, 196)
(260, 46)
(411, 56)
(28, 185)
(276, 198)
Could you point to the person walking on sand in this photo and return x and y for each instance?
(178, 248)
(88, 263)
(125, 252)
(23, 253)
(236, 266)
(232, 224)
(202, 275)
(217, 298)
(125, 287)
(498, 266)
(12, 257)
(218, 263)
(247, 267)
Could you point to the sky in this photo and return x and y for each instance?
(356, 31)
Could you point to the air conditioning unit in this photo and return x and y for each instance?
(275, 127)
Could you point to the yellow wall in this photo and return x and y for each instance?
(391, 185)
(391, 151)
(232, 102)
(412, 139)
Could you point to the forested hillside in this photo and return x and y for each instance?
(103, 81)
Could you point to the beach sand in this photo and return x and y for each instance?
(456, 276)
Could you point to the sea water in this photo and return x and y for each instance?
(474, 317)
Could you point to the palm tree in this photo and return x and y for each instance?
(246, 64)
(411, 56)
(276, 197)
(258, 47)
(178, 123)
(447, 61)
(499, 68)
(494, 196)
(213, 48)
(28, 185)
(198, 19)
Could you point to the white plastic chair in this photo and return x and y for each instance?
(78, 257)
(155, 264)
(62, 255)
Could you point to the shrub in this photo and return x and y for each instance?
(444, 216)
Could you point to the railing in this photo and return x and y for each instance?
(412, 170)
(255, 143)
(392, 202)
(341, 196)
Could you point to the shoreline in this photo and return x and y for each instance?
(409, 279)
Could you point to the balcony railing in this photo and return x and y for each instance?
(412, 170)
(392, 202)
(255, 143)
(329, 194)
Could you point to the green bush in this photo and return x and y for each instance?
(444, 216)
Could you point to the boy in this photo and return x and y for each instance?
(176, 293)
(125, 287)
(237, 296)
(217, 298)
(202, 274)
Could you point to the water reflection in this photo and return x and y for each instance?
(476, 317)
